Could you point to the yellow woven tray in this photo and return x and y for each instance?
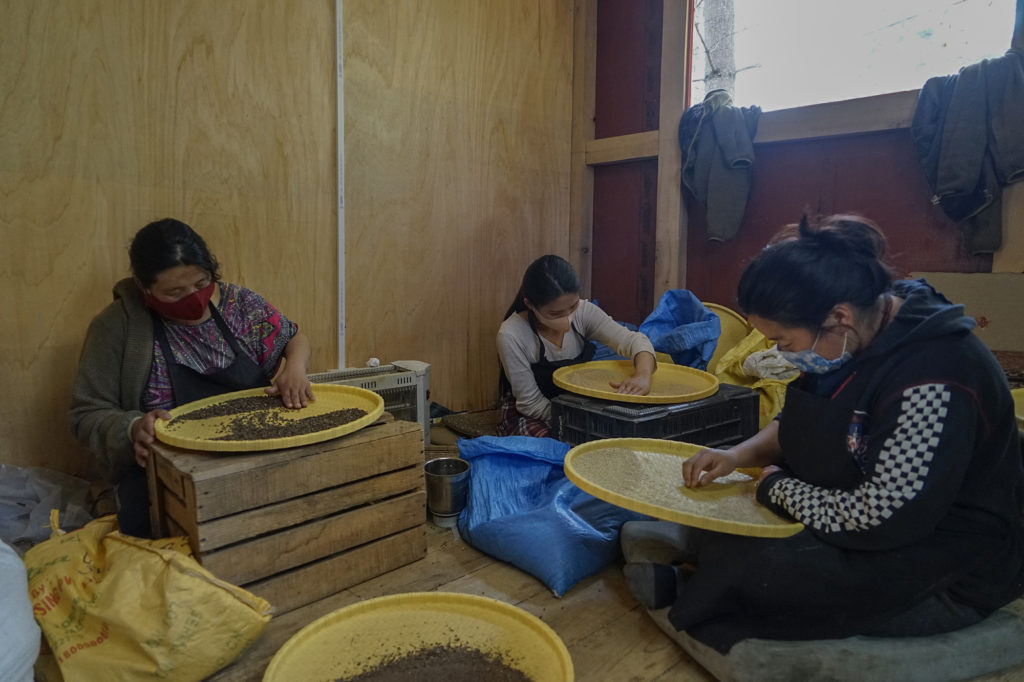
(646, 475)
(670, 383)
(359, 637)
(1018, 405)
(202, 434)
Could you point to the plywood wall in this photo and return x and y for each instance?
(223, 114)
(457, 143)
(117, 112)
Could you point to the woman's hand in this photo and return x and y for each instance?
(143, 434)
(706, 466)
(767, 471)
(640, 383)
(292, 384)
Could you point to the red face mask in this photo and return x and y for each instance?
(191, 307)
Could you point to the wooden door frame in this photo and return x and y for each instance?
(661, 144)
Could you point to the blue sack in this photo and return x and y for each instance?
(681, 326)
(522, 510)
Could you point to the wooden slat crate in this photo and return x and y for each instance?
(299, 524)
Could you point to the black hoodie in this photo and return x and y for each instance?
(937, 510)
(942, 449)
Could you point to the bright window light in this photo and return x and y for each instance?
(789, 53)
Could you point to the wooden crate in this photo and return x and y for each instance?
(299, 524)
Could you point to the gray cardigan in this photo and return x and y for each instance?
(112, 372)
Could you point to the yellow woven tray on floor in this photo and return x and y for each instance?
(646, 476)
(473, 424)
(361, 636)
(670, 383)
(203, 434)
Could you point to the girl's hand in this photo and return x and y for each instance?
(638, 384)
(644, 366)
(143, 435)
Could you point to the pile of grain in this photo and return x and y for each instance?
(263, 418)
(656, 478)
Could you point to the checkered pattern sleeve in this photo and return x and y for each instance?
(917, 456)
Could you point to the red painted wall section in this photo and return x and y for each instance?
(876, 175)
(627, 100)
(625, 201)
(628, 71)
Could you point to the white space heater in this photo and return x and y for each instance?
(404, 385)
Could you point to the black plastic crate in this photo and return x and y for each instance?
(725, 418)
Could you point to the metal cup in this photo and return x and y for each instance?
(447, 487)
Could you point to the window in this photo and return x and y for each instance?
(778, 54)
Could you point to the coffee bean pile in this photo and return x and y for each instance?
(269, 424)
(256, 403)
(260, 418)
(450, 663)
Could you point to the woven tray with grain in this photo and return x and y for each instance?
(473, 424)
(645, 475)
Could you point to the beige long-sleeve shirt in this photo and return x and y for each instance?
(519, 347)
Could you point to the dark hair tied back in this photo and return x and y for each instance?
(165, 244)
(809, 268)
(545, 279)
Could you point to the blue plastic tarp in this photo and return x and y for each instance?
(522, 509)
(681, 326)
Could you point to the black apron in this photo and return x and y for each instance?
(801, 587)
(821, 437)
(188, 385)
(544, 369)
(824, 434)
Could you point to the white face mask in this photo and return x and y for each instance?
(560, 324)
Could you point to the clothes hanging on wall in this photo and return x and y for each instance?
(969, 138)
(717, 140)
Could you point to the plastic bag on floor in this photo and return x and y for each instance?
(18, 631)
(28, 494)
(756, 363)
(119, 608)
(523, 510)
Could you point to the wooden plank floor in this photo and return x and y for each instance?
(609, 636)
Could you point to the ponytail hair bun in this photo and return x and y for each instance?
(850, 234)
(810, 267)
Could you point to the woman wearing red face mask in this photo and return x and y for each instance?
(549, 326)
(173, 334)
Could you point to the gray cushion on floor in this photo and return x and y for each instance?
(995, 644)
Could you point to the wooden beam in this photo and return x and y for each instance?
(581, 175)
(862, 115)
(622, 148)
(670, 226)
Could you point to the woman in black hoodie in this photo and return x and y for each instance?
(897, 448)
